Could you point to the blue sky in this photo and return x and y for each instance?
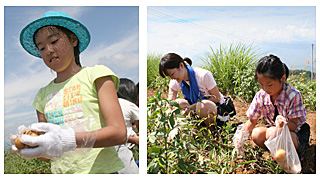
(114, 43)
(285, 31)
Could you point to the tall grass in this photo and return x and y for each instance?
(154, 80)
(233, 69)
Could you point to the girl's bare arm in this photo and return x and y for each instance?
(215, 95)
(115, 133)
(172, 95)
(250, 124)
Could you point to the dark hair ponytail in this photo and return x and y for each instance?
(188, 60)
(271, 67)
(170, 61)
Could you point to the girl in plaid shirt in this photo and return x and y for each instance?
(276, 97)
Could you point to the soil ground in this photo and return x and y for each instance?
(308, 159)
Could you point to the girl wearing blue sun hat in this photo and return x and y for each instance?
(78, 110)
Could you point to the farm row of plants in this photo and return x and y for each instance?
(197, 149)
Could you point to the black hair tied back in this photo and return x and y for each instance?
(188, 60)
(271, 67)
(171, 61)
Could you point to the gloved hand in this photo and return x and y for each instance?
(280, 121)
(240, 136)
(53, 143)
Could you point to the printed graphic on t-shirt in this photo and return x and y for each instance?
(64, 106)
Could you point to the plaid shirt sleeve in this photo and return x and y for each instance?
(296, 109)
(254, 111)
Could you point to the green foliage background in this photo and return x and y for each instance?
(197, 149)
(233, 69)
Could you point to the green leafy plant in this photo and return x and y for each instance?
(194, 148)
(230, 65)
(199, 149)
(307, 89)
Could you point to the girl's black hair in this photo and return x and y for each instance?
(127, 90)
(170, 61)
(271, 67)
(69, 34)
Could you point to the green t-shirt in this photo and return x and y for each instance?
(75, 103)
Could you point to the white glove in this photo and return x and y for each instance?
(53, 143)
(239, 137)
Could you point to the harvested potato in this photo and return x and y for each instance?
(281, 155)
(294, 169)
(20, 145)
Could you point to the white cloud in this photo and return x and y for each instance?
(23, 115)
(125, 60)
(200, 29)
(74, 11)
(123, 53)
(23, 84)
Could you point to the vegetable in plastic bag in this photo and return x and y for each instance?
(282, 149)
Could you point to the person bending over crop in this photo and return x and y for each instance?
(276, 97)
(196, 84)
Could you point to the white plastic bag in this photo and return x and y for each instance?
(282, 149)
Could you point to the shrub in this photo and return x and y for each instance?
(307, 89)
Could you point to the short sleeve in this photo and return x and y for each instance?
(134, 112)
(254, 111)
(173, 84)
(209, 80)
(38, 102)
(102, 71)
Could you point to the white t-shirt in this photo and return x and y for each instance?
(130, 113)
(204, 79)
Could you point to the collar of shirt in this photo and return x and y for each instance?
(280, 99)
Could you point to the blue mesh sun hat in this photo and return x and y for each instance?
(54, 18)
